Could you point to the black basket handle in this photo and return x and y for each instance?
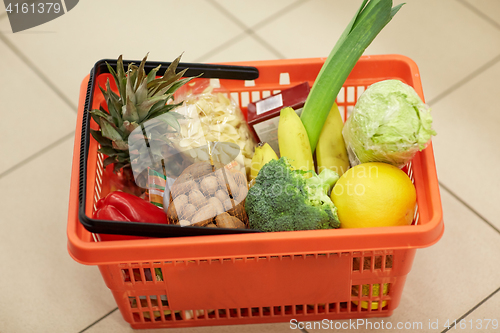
(209, 71)
(149, 230)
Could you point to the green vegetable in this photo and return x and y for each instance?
(282, 199)
(389, 123)
(159, 274)
(369, 20)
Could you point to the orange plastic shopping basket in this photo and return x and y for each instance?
(263, 277)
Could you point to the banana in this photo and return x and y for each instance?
(330, 151)
(263, 154)
(293, 141)
(256, 162)
(268, 154)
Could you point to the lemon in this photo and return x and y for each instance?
(374, 195)
(375, 292)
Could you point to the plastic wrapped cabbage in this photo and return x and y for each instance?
(389, 123)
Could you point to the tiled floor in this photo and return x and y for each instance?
(456, 44)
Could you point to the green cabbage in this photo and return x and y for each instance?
(389, 123)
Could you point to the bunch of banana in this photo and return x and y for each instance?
(263, 154)
(330, 150)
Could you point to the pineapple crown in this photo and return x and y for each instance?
(140, 97)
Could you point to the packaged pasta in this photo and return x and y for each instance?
(212, 117)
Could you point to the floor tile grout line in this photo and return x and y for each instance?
(471, 310)
(269, 47)
(285, 10)
(37, 71)
(37, 154)
(465, 80)
(228, 14)
(247, 31)
(229, 42)
(453, 194)
(251, 30)
(98, 320)
(221, 47)
(479, 13)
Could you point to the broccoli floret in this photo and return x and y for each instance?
(283, 199)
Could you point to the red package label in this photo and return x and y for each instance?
(263, 115)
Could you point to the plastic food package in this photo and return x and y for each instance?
(208, 195)
(389, 123)
(210, 116)
(205, 121)
(209, 135)
(158, 185)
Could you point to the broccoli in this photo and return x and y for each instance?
(283, 199)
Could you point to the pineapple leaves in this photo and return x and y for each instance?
(137, 98)
(119, 166)
(152, 74)
(164, 109)
(132, 74)
(104, 142)
(119, 162)
(130, 127)
(115, 114)
(120, 145)
(172, 68)
(115, 77)
(111, 133)
(155, 107)
(108, 161)
(130, 111)
(179, 83)
(101, 114)
(109, 151)
(142, 92)
(144, 107)
(114, 105)
(130, 90)
(157, 85)
(140, 72)
(120, 74)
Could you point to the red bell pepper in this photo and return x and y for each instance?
(121, 206)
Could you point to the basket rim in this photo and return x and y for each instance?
(84, 250)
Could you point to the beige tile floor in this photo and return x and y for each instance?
(456, 44)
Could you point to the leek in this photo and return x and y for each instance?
(370, 19)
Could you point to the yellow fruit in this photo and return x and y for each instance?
(262, 155)
(256, 162)
(375, 293)
(374, 195)
(293, 141)
(330, 150)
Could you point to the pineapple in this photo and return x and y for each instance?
(140, 98)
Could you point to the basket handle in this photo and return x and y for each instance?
(209, 71)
